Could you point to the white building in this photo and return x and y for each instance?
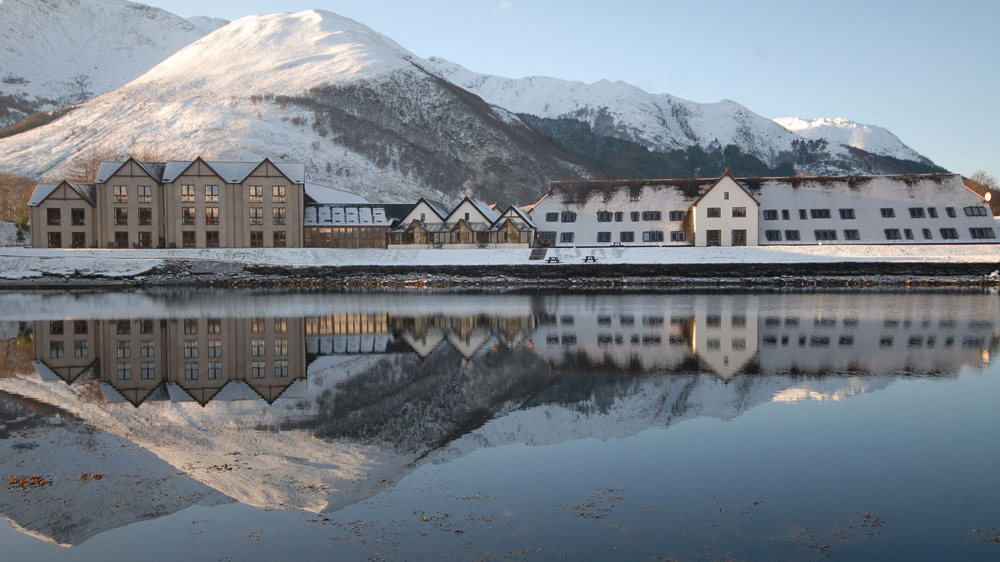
(727, 211)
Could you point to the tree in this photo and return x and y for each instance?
(15, 192)
(986, 185)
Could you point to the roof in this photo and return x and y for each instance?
(438, 207)
(87, 192)
(345, 215)
(725, 175)
(326, 194)
(229, 172)
(487, 211)
(579, 192)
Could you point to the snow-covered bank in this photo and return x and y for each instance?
(26, 263)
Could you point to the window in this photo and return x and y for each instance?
(772, 235)
(147, 348)
(847, 214)
(145, 240)
(626, 236)
(634, 215)
(188, 215)
(191, 371)
(281, 368)
(121, 240)
(257, 370)
(824, 235)
(908, 233)
(770, 214)
(78, 217)
(79, 240)
(212, 239)
(120, 194)
(982, 233)
(280, 347)
(191, 349)
(551, 217)
(604, 216)
(80, 350)
(568, 216)
(214, 326)
(785, 215)
(652, 215)
(725, 195)
(604, 237)
(739, 212)
(256, 239)
(676, 236)
(792, 235)
(147, 370)
(144, 193)
(932, 212)
(121, 216)
(211, 194)
(566, 237)
(852, 235)
(187, 194)
(211, 215)
(80, 327)
(187, 239)
(619, 216)
(713, 212)
(739, 238)
(887, 212)
(713, 237)
(56, 350)
(257, 348)
(257, 325)
(214, 370)
(652, 236)
(927, 234)
(280, 325)
(124, 371)
(892, 234)
(122, 327)
(215, 348)
(256, 215)
(676, 215)
(53, 217)
(124, 349)
(916, 212)
(279, 215)
(56, 328)
(278, 194)
(55, 239)
(950, 211)
(802, 214)
(976, 211)
(256, 193)
(146, 326)
(278, 239)
(145, 215)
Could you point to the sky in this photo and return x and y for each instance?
(927, 71)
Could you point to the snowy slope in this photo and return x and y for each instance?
(309, 87)
(60, 52)
(664, 122)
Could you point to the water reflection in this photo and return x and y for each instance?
(231, 358)
(315, 402)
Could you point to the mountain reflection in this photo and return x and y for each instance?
(314, 402)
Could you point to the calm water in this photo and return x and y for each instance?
(216, 425)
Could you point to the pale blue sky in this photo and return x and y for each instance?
(927, 71)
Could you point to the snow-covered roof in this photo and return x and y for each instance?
(43, 190)
(230, 172)
(326, 194)
(438, 207)
(345, 215)
(487, 211)
(517, 213)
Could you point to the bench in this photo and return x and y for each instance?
(616, 244)
(438, 245)
(589, 258)
(552, 259)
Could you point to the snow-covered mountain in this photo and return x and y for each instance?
(360, 111)
(55, 53)
(662, 122)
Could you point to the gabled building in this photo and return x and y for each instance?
(63, 215)
(470, 224)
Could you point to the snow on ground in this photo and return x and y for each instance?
(21, 263)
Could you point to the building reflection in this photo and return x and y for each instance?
(208, 358)
(198, 359)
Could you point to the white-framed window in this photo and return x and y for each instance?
(255, 193)
(211, 194)
(603, 237)
(566, 237)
